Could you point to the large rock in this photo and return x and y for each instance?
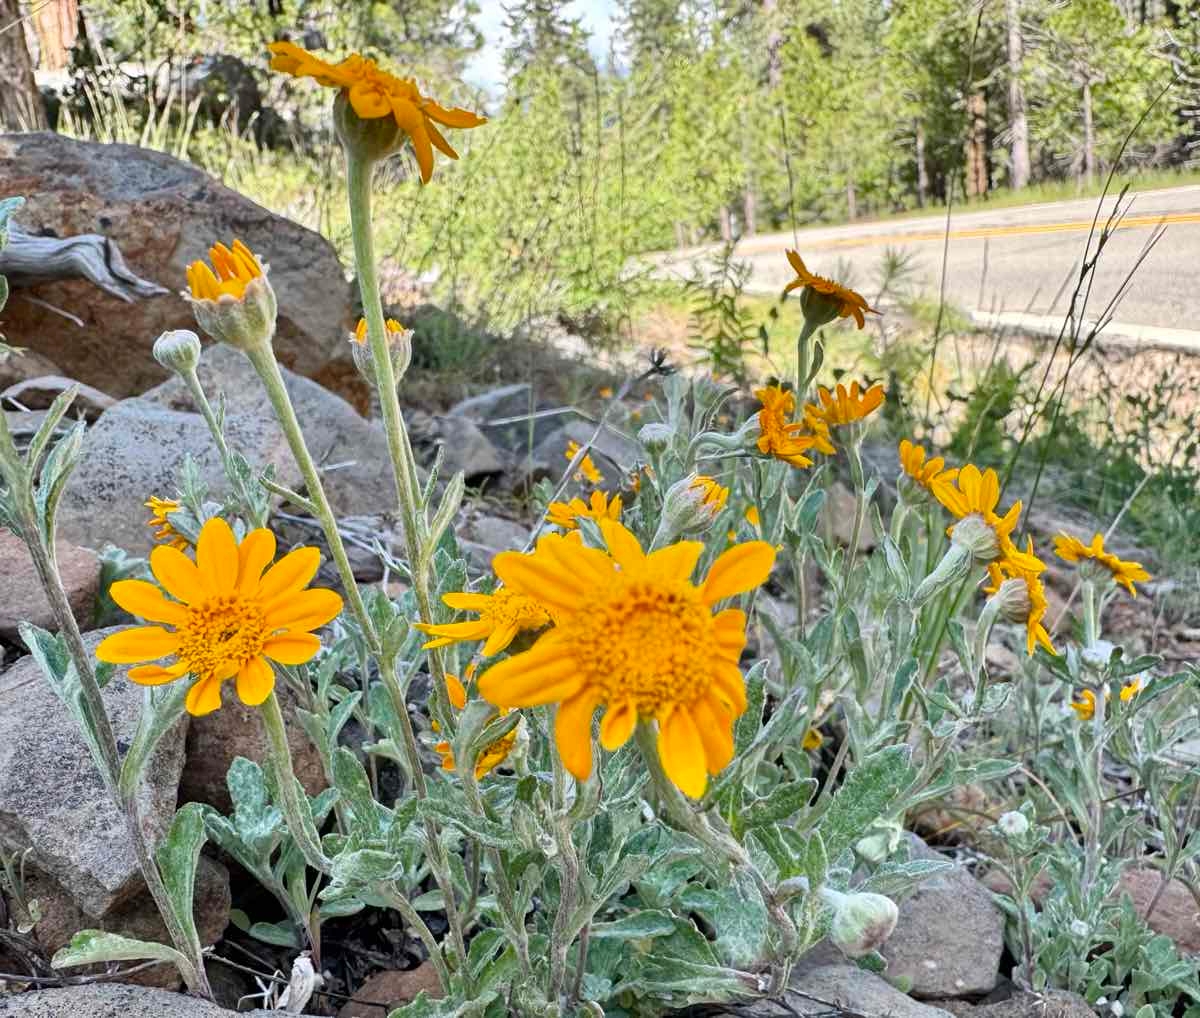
(847, 986)
(114, 1000)
(24, 599)
(52, 799)
(612, 452)
(393, 988)
(949, 937)
(137, 449)
(138, 918)
(1050, 1004)
(162, 214)
(351, 452)
(463, 445)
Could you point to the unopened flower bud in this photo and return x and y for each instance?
(178, 350)
(399, 343)
(1013, 824)
(950, 571)
(861, 921)
(1079, 928)
(232, 301)
(691, 504)
(655, 436)
(975, 534)
(1096, 656)
(1012, 600)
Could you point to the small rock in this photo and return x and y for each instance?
(213, 741)
(51, 795)
(138, 918)
(484, 537)
(949, 937)
(464, 447)
(38, 393)
(837, 519)
(850, 987)
(114, 1000)
(24, 599)
(1051, 1004)
(16, 367)
(613, 453)
(1176, 915)
(137, 449)
(392, 989)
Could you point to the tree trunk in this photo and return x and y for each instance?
(726, 225)
(21, 107)
(922, 168)
(976, 146)
(57, 26)
(1089, 135)
(1018, 124)
(774, 43)
(749, 211)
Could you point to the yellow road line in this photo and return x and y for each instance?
(1030, 229)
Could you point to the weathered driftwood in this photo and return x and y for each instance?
(29, 259)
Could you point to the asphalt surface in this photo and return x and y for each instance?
(1016, 266)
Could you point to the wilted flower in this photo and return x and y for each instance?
(232, 301)
(779, 435)
(1085, 706)
(1093, 556)
(973, 499)
(587, 469)
(502, 616)
(599, 507)
(823, 300)
(399, 344)
(845, 406)
(635, 636)
(230, 618)
(373, 93)
(1021, 595)
(164, 532)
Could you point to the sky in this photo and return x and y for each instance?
(486, 68)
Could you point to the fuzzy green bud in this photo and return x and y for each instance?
(950, 571)
(818, 308)
(690, 504)
(178, 351)
(976, 535)
(862, 921)
(1012, 600)
(655, 436)
(399, 344)
(368, 139)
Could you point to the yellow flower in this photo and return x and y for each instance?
(1024, 599)
(373, 93)
(977, 494)
(929, 474)
(502, 616)
(635, 636)
(587, 469)
(713, 495)
(779, 435)
(847, 301)
(752, 517)
(493, 755)
(229, 616)
(235, 268)
(1071, 549)
(565, 514)
(812, 741)
(162, 508)
(394, 328)
(606, 392)
(1085, 706)
(846, 406)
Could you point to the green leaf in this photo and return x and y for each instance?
(46, 430)
(894, 879)
(54, 477)
(782, 802)
(177, 857)
(161, 710)
(282, 934)
(98, 947)
(447, 807)
(871, 790)
(350, 779)
(638, 926)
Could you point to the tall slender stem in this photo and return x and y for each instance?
(294, 811)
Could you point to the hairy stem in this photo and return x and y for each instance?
(289, 788)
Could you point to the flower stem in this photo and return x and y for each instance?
(295, 812)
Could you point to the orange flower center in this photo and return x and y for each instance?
(509, 608)
(624, 649)
(222, 632)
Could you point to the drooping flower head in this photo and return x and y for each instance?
(393, 327)
(230, 615)
(845, 406)
(973, 499)
(1022, 595)
(494, 754)
(232, 301)
(929, 474)
(399, 345)
(502, 616)
(633, 635)
(164, 532)
(1085, 706)
(587, 468)
(1071, 549)
(373, 93)
(822, 299)
(778, 434)
(599, 507)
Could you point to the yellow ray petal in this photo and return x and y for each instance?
(716, 733)
(539, 576)
(543, 674)
(573, 732)
(156, 675)
(617, 725)
(178, 574)
(292, 648)
(255, 680)
(254, 555)
(500, 638)
(144, 599)
(740, 568)
(217, 556)
(676, 561)
(142, 643)
(292, 572)
(682, 752)
(622, 545)
(204, 697)
(304, 611)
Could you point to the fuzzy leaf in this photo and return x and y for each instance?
(96, 947)
(873, 789)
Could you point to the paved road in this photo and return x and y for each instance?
(1010, 264)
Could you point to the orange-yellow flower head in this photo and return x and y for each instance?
(599, 507)
(845, 406)
(394, 328)
(1071, 549)
(587, 468)
(633, 635)
(974, 497)
(399, 346)
(1022, 595)
(232, 301)
(373, 93)
(161, 508)
(778, 434)
(230, 615)
(928, 474)
(1085, 706)
(494, 754)
(822, 299)
(502, 616)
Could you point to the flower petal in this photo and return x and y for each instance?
(500, 638)
(291, 648)
(178, 574)
(142, 643)
(369, 101)
(676, 561)
(617, 725)
(573, 732)
(292, 572)
(217, 556)
(545, 673)
(466, 601)
(543, 577)
(622, 545)
(682, 752)
(452, 632)
(730, 629)
(304, 611)
(255, 680)
(204, 697)
(741, 568)
(715, 725)
(454, 117)
(254, 555)
(156, 675)
(457, 691)
(145, 600)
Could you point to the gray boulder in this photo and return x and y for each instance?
(24, 599)
(114, 1000)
